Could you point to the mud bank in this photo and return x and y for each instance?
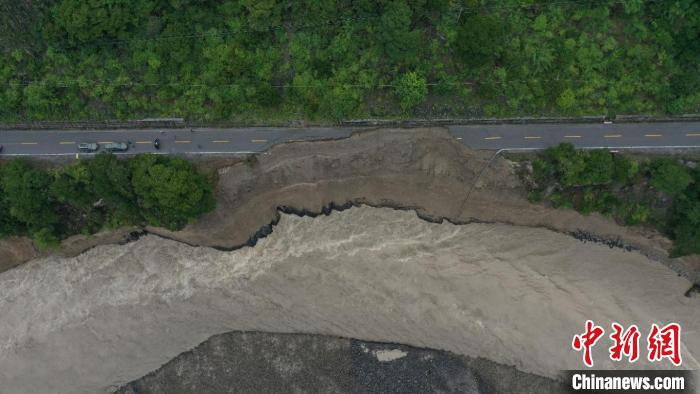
(425, 170)
(253, 362)
(514, 295)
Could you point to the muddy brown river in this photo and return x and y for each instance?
(514, 295)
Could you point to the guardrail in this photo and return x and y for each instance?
(453, 122)
(521, 120)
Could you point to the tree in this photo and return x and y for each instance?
(625, 169)
(411, 89)
(399, 41)
(72, 185)
(24, 190)
(110, 179)
(86, 20)
(479, 39)
(543, 170)
(686, 226)
(9, 225)
(567, 99)
(685, 219)
(669, 177)
(262, 14)
(170, 192)
(570, 164)
(90, 195)
(600, 167)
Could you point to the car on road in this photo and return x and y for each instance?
(156, 143)
(0, 148)
(88, 147)
(116, 147)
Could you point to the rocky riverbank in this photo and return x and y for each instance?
(254, 362)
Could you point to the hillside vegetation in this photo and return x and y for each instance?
(662, 192)
(262, 61)
(101, 193)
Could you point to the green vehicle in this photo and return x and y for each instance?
(116, 147)
(88, 147)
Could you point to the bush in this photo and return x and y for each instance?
(535, 196)
(633, 213)
(411, 90)
(45, 238)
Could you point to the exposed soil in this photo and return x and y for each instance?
(15, 251)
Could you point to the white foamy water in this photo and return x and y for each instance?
(514, 295)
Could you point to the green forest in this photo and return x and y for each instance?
(101, 193)
(267, 61)
(661, 192)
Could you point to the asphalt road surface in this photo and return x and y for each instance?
(200, 140)
(582, 135)
(259, 139)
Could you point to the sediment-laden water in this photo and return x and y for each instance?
(514, 295)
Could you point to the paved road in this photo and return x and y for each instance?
(202, 140)
(583, 135)
(250, 140)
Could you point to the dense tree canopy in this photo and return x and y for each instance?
(169, 191)
(25, 196)
(661, 192)
(669, 176)
(685, 221)
(267, 61)
(104, 192)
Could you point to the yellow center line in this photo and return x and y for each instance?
(182, 142)
(258, 141)
(67, 142)
(612, 136)
(28, 143)
(533, 137)
(143, 142)
(221, 141)
(492, 138)
(572, 136)
(105, 142)
(653, 135)
(693, 135)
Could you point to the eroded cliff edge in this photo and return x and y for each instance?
(426, 170)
